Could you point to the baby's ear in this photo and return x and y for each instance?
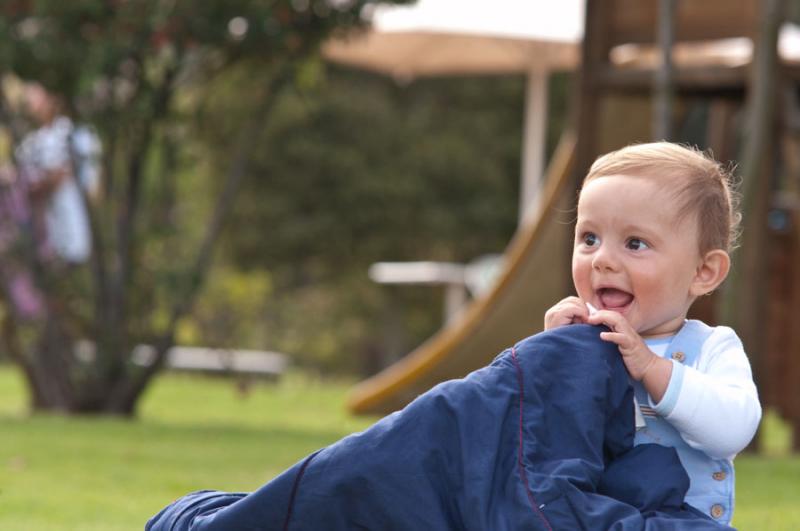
(710, 272)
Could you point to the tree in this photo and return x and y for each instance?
(137, 69)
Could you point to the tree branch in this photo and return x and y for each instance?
(130, 211)
(246, 144)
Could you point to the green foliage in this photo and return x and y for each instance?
(365, 170)
(228, 311)
(349, 169)
(359, 169)
(138, 70)
(70, 46)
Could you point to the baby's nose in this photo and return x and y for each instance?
(604, 260)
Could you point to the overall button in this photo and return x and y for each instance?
(717, 510)
(679, 356)
(719, 476)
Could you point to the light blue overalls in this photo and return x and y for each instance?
(711, 487)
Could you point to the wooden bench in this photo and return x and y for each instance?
(256, 363)
(216, 361)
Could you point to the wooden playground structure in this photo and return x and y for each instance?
(720, 74)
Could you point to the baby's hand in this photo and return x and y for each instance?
(637, 357)
(567, 311)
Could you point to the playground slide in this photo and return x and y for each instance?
(535, 276)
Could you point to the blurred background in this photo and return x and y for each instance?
(233, 232)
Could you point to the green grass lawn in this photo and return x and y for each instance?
(108, 474)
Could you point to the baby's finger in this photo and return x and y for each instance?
(621, 340)
(580, 313)
(566, 312)
(570, 301)
(613, 320)
(612, 337)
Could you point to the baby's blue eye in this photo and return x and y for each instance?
(635, 244)
(590, 239)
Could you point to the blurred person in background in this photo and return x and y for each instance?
(56, 159)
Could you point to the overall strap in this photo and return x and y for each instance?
(711, 488)
(685, 348)
(687, 344)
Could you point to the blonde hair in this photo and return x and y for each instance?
(702, 185)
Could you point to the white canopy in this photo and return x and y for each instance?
(435, 37)
(440, 37)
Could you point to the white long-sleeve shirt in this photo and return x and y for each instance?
(713, 402)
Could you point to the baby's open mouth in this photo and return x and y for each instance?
(614, 299)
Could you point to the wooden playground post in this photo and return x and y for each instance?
(744, 303)
(664, 86)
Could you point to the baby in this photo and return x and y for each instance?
(656, 223)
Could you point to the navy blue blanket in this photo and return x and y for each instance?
(541, 439)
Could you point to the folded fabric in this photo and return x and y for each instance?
(541, 439)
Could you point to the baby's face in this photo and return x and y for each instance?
(632, 255)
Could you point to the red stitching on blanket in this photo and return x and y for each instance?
(290, 508)
(520, 459)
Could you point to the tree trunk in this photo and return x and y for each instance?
(52, 387)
